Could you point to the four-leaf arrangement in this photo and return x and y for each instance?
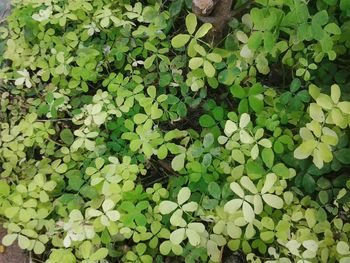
(127, 136)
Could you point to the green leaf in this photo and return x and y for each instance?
(343, 156)
(308, 182)
(295, 85)
(214, 190)
(238, 156)
(254, 170)
(191, 23)
(140, 118)
(206, 121)
(268, 157)
(333, 28)
(255, 40)
(4, 189)
(99, 254)
(75, 182)
(345, 5)
(67, 136)
(281, 170)
(267, 235)
(180, 40)
(256, 103)
(216, 58)
(227, 76)
(320, 18)
(39, 248)
(165, 247)
(237, 91)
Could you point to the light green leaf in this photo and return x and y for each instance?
(38, 248)
(183, 195)
(237, 189)
(316, 112)
(99, 254)
(23, 242)
(310, 245)
(203, 30)
(244, 120)
(305, 149)
(9, 239)
(233, 205)
(180, 40)
(230, 128)
(107, 205)
(238, 156)
(113, 215)
(193, 237)
(344, 106)
(268, 157)
(265, 143)
(324, 101)
(248, 212)
(254, 153)
(190, 207)
(343, 248)
(140, 118)
(245, 137)
(248, 184)
(177, 236)
(177, 220)
(191, 23)
(195, 63)
(178, 162)
(216, 58)
(273, 200)
(270, 180)
(166, 207)
(209, 69)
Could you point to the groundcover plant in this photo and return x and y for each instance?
(130, 133)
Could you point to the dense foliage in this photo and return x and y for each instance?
(125, 137)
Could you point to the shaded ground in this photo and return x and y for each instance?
(12, 254)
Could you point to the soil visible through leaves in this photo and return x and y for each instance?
(12, 254)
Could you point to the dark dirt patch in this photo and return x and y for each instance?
(12, 254)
